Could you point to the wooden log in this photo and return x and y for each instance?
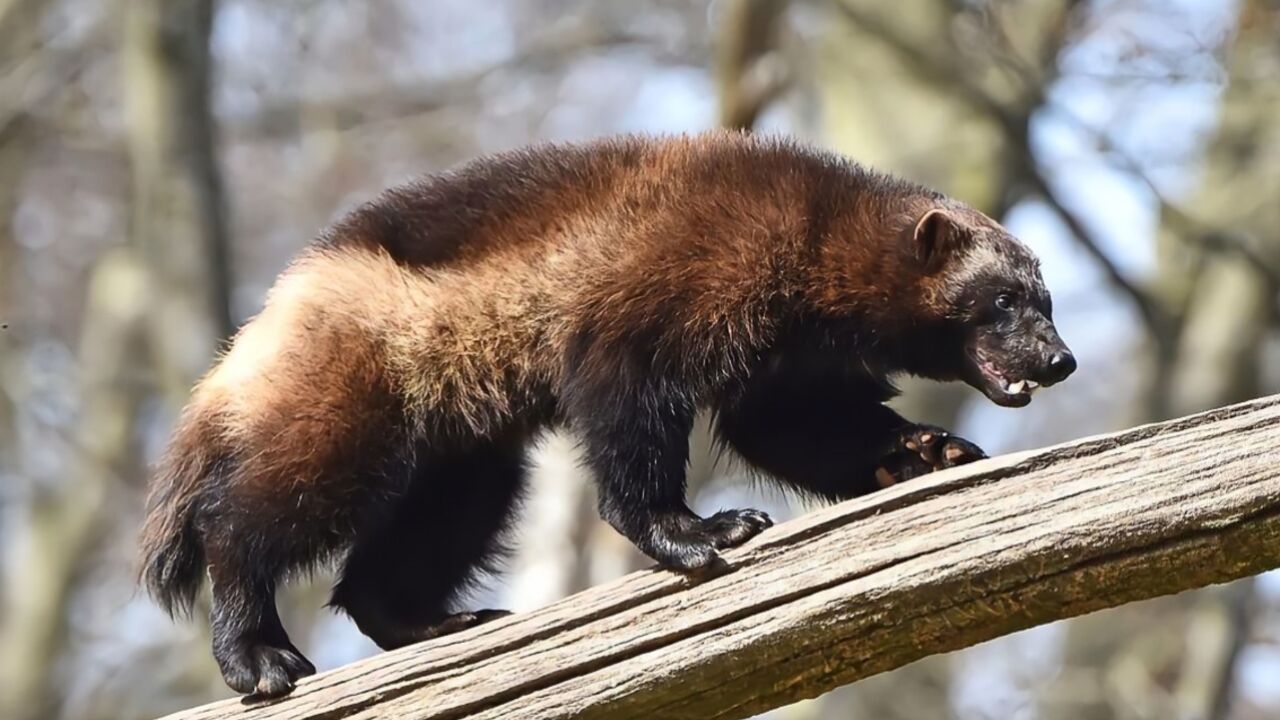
(936, 564)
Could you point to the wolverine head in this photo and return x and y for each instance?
(985, 287)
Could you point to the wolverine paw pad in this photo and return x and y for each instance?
(924, 449)
(939, 448)
(263, 671)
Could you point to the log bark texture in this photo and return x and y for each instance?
(933, 565)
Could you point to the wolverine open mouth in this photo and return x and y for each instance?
(997, 385)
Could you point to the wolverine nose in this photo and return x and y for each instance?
(1061, 364)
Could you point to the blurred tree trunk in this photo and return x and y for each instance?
(31, 598)
(18, 684)
(179, 223)
(1226, 306)
(19, 43)
(749, 70)
(555, 549)
(14, 145)
(1230, 303)
(179, 230)
(158, 303)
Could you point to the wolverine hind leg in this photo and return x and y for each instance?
(297, 481)
(256, 528)
(250, 645)
(409, 563)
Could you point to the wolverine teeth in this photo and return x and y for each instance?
(1033, 384)
(1016, 388)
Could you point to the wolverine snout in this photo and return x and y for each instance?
(1060, 364)
(1056, 360)
(1010, 368)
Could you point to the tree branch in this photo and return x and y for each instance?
(929, 566)
(1189, 228)
(280, 117)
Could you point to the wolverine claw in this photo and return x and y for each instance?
(263, 672)
(730, 528)
(923, 449)
(459, 622)
(688, 543)
(939, 448)
(958, 451)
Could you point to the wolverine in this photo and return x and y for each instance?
(376, 413)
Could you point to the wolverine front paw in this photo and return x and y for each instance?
(263, 671)
(688, 543)
(922, 449)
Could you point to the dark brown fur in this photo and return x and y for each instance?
(379, 405)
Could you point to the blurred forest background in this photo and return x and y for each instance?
(161, 160)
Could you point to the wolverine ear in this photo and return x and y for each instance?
(936, 238)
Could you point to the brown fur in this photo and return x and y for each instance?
(718, 226)
(563, 283)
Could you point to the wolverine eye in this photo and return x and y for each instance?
(1004, 301)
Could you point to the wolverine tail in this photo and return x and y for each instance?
(172, 554)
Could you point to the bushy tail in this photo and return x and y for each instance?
(172, 555)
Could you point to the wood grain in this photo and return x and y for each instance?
(933, 565)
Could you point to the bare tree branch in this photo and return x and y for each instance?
(280, 117)
(1150, 312)
(856, 589)
(1190, 229)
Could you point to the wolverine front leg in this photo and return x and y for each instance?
(833, 438)
(637, 443)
